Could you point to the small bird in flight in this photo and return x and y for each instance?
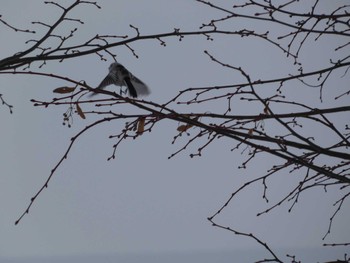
(120, 76)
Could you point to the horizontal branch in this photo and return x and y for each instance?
(269, 116)
(13, 62)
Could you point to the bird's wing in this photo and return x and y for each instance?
(141, 88)
(108, 80)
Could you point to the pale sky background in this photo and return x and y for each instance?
(141, 203)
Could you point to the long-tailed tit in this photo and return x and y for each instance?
(120, 76)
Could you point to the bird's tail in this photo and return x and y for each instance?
(131, 87)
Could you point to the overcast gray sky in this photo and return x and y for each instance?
(141, 202)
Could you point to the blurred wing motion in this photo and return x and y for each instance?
(120, 76)
(140, 87)
(108, 80)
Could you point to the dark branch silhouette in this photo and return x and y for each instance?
(276, 130)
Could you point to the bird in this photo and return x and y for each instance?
(120, 76)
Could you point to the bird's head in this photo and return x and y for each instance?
(113, 66)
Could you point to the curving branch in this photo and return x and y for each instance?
(275, 129)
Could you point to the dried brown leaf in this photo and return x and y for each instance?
(266, 109)
(183, 128)
(80, 112)
(63, 90)
(141, 125)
